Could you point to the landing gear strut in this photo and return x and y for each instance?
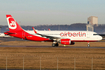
(88, 44)
(55, 44)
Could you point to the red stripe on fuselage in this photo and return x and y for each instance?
(24, 35)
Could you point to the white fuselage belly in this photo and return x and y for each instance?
(72, 35)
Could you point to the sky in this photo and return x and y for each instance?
(51, 12)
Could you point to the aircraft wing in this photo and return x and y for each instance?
(50, 37)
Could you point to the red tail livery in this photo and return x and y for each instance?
(13, 25)
(16, 31)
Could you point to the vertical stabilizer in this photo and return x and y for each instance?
(12, 24)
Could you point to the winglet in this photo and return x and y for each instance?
(34, 29)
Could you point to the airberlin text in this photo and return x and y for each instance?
(73, 34)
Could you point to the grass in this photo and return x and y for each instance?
(50, 55)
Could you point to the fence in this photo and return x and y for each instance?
(52, 63)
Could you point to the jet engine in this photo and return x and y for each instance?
(66, 42)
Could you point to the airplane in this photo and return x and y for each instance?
(56, 37)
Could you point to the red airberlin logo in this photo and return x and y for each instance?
(73, 34)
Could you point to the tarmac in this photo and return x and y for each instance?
(18, 39)
(11, 39)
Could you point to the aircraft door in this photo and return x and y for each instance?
(23, 35)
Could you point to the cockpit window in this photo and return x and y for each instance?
(95, 34)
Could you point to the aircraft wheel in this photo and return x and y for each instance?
(53, 45)
(56, 44)
(88, 44)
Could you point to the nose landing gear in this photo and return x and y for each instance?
(88, 44)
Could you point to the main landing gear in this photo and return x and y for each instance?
(55, 43)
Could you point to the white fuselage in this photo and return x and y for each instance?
(76, 36)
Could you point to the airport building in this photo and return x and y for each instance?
(89, 27)
(92, 20)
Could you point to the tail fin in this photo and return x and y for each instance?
(13, 25)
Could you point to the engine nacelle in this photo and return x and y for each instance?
(67, 42)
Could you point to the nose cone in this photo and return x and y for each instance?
(100, 37)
